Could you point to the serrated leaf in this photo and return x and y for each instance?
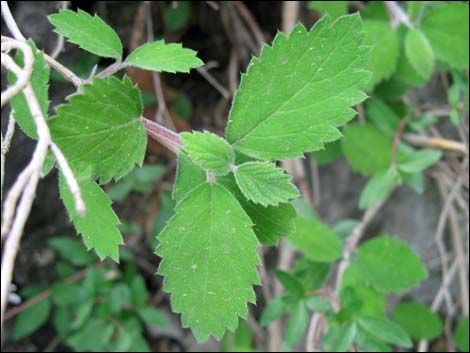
(419, 52)
(418, 161)
(447, 30)
(99, 225)
(90, 33)
(158, 56)
(310, 80)
(200, 248)
(377, 188)
(417, 320)
(389, 265)
(333, 8)
(297, 324)
(264, 183)
(188, 176)
(274, 310)
(461, 335)
(383, 38)
(385, 330)
(40, 83)
(316, 240)
(100, 131)
(209, 151)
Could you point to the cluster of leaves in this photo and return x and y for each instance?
(230, 195)
(105, 311)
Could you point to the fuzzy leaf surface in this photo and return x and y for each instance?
(159, 56)
(209, 261)
(100, 131)
(91, 33)
(264, 183)
(293, 98)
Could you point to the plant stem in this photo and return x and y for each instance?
(166, 137)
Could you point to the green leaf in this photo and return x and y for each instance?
(188, 176)
(461, 335)
(333, 8)
(367, 149)
(291, 284)
(65, 294)
(339, 337)
(200, 248)
(318, 304)
(316, 240)
(90, 33)
(383, 38)
(330, 154)
(71, 250)
(119, 298)
(297, 325)
(385, 330)
(99, 225)
(368, 343)
(31, 319)
(209, 151)
(417, 320)
(100, 131)
(311, 274)
(177, 15)
(158, 56)
(40, 83)
(377, 188)
(154, 317)
(447, 30)
(418, 161)
(388, 264)
(419, 52)
(382, 116)
(93, 336)
(274, 310)
(309, 79)
(264, 183)
(138, 291)
(375, 10)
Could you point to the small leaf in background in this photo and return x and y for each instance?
(389, 264)
(239, 341)
(291, 284)
(274, 310)
(419, 161)
(385, 330)
(65, 294)
(99, 225)
(100, 131)
(39, 80)
(82, 314)
(71, 250)
(264, 183)
(419, 52)
(333, 8)
(153, 317)
(314, 77)
(311, 274)
(417, 320)
(461, 335)
(344, 228)
(162, 57)
(368, 343)
(176, 15)
(331, 153)
(447, 30)
(381, 115)
(296, 325)
(316, 240)
(304, 209)
(340, 337)
(182, 105)
(119, 298)
(209, 151)
(377, 188)
(90, 33)
(32, 318)
(210, 283)
(93, 336)
(383, 38)
(375, 10)
(318, 304)
(138, 291)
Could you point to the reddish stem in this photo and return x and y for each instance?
(166, 137)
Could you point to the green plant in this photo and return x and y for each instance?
(230, 194)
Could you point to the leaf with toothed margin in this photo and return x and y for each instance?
(98, 226)
(209, 261)
(100, 131)
(293, 98)
(159, 56)
(209, 151)
(264, 183)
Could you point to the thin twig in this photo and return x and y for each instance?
(437, 142)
